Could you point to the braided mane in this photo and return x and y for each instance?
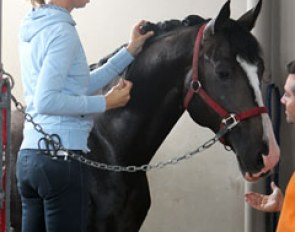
(160, 29)
(170, 25)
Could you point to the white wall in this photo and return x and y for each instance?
(203, 194)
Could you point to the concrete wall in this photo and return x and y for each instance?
(203, 194)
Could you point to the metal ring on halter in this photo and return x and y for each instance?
(231, 121)
(196, 86)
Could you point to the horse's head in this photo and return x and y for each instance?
(230, 69)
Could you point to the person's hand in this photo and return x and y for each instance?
(137, 38)
(266, 203)
(119, 95)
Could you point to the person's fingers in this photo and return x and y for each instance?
(127, 85)
(252, 194)
(120, 85)
(142, 36)
(249, 197)
(139, 24)
(253, 198)
(148, 35)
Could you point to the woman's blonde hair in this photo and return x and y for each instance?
(37, 2)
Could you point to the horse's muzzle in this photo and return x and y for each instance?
(271, 159)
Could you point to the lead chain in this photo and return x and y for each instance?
(115, 168)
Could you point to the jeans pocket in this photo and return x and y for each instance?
(58, 176)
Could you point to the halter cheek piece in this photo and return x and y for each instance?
(229, 120)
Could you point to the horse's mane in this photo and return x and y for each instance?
(242, 42)
(160, 29)
(170, 25)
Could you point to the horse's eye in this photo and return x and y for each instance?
(223, 74)
(222, 70)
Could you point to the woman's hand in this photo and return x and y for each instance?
(266, 203)
(119, 95)
(137, 38)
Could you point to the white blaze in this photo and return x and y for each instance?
(251, 71)
(272, 158)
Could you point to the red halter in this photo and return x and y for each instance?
(228, 119)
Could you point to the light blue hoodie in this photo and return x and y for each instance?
(58, 86)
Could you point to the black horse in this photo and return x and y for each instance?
(226, 70)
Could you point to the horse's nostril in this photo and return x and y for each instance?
(260, 162)
(265, 149)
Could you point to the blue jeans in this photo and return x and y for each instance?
(54, 193)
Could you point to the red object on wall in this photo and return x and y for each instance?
(3, 208)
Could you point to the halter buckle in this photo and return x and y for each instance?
(196, 86)
(230, 122)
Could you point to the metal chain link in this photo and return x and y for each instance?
(116, 168)
(148, 167)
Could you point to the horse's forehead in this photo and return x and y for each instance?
(232, 41)
(217, 49)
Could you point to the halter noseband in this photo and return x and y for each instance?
(229, 120)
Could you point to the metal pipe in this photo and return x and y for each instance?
(1, 37)
(8, 157)
(6, 100)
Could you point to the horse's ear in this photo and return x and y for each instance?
(223, 15)
(249, 18)
(214, 24)
(209, 29)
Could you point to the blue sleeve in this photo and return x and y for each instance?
(49, 97)
(111, 69)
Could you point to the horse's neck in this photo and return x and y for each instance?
(134, 133)
(137, 130)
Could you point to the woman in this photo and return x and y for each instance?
(59, 94)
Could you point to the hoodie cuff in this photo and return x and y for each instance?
(96, 104)
(122, 59)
